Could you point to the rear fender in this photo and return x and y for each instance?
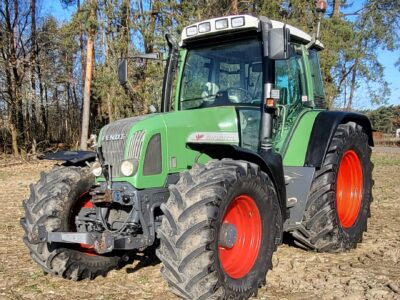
(323, 130)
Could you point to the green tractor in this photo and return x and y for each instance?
(241, 151)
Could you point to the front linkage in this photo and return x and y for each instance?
(122, 218)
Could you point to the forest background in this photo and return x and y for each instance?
(53, 70)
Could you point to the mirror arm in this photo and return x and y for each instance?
(152, 56)
(320, 9)
(170, 68)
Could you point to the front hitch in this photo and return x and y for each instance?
(102, 242)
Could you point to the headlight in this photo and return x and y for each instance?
(129, 167)
(192, 30)
(204, 27)
(97, 169)
(221, 24)
(237, 22)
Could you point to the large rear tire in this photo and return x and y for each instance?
(53, 203)
(219, 230)
(339, 202)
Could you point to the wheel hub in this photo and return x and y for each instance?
(227, 235)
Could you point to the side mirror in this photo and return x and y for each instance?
(123, 72)
(278, 43)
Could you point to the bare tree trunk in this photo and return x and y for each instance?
(81, 47)
(45, 112)
(336, 8)
(352, 86)
(125, 26)
(14, 139)
(110, 110)
(34, 116)
(88, 80)
(234, 7)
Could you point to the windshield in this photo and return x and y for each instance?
(222, 75)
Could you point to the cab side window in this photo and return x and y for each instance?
(316, 75)
(288, 78)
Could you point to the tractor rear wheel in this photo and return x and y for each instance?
(53, 204)
(339, 202)
(219, 229)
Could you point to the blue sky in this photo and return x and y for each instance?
(387, 58)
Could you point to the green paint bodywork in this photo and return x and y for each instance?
(297, 141)
(291, 135)
(175, 128)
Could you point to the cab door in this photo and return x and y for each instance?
(290, 79)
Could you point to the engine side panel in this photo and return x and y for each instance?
(294, 153)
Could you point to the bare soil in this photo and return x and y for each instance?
(372, 271)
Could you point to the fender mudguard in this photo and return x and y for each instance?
(269, 161)
(323, 130)
(71, 158)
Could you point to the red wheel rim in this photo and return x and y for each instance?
(349, 188)
(84, 202)
(242, 213)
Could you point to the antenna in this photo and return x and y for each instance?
(320, 8)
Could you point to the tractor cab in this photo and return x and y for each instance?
(255, 65)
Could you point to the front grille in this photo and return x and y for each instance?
(135, 144)
(114, 137)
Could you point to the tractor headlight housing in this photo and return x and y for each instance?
(192, 30)
(97, 169)
(205, 27)
(237, 22)
(221, 24)
(129, 167)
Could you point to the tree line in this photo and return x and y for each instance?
(58, 80)
(385, 119)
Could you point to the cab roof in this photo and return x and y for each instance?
(237, 23)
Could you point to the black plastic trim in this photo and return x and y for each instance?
(269, 162)
(71, 158)
(153, 158)
(323, 130)
(169, 73)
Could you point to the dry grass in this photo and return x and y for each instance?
(371, 271)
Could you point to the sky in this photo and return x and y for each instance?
(387, 58)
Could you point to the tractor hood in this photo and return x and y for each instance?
(157, 142)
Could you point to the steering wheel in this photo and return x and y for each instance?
(248, 97)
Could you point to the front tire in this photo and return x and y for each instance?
(201, 258)
(339, 202)
(52, 206)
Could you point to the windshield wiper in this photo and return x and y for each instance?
(198, 98)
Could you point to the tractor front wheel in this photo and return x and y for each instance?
(339, 202)
(53, 204)
(219, 229)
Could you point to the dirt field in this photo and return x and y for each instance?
(372, 271)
